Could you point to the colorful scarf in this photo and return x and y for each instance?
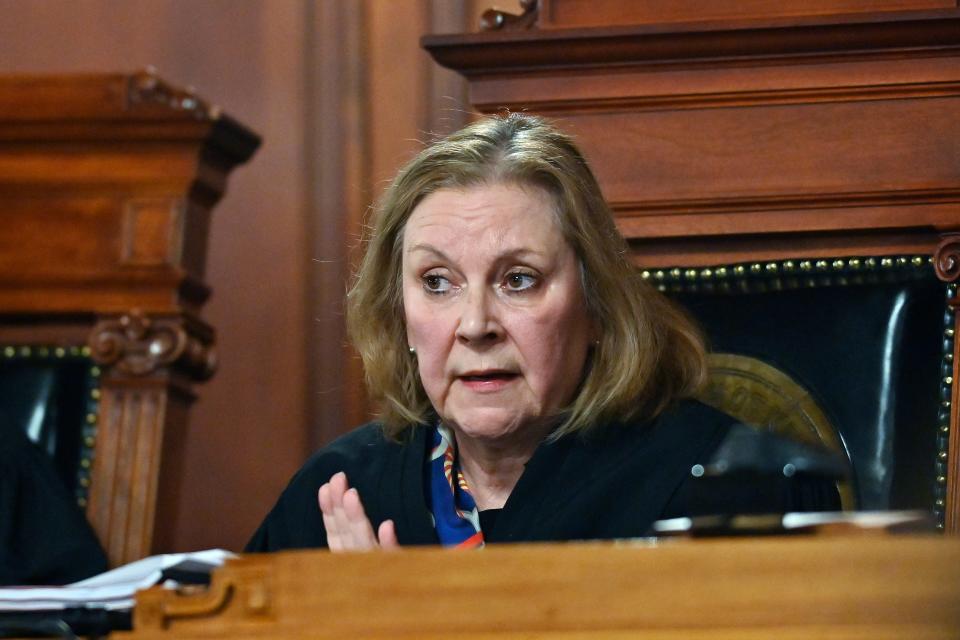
(454, 510)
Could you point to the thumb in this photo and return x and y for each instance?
(387, 535)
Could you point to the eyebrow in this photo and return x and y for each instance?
(421, 246)
(510, 253)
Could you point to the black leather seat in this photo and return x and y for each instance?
(48, 398)
(50, 393)
(865, 337)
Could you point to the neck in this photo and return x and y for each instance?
(492, 469)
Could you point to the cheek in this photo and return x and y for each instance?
(428, 331)
(425, 326)
(545, 349)
(554, 346)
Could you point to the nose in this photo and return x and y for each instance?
(478, 320)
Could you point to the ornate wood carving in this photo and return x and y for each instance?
(497, 20)
(148, 363)
(946, 259)
(145, 88)
(107, 182)
(138, 345)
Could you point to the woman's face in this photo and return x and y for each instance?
(494, 307)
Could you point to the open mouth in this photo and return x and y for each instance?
(488, 376)
(488, 380)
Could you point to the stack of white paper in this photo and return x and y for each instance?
(111, 590)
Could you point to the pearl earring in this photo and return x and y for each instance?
(412, 350)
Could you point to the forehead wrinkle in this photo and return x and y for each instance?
(479, 221)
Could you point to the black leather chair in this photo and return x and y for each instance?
(853, 352)
(48, 422)
(51, 393)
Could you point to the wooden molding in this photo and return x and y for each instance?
(496, 19)
(135, 344)
(559, 105)
(146, 88)
(914, 33)
(589, 13)
(946, 260)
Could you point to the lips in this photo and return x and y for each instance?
(487, 380)
(490, 374)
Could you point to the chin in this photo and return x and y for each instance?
(494, 424)
(487, 423)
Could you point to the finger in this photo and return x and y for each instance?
(338, 486)
(360, 529)
(334, 538)
(387, 535)
(324, 499)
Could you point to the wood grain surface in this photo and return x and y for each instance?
(867, 586)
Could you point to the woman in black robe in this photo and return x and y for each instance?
(532, 385)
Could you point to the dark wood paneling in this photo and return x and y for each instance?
(95, 208)
(592, 13)
(306, 76)
(782, 131)
(248, 428)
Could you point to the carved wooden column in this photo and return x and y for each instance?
(148, 365)
(107, 182)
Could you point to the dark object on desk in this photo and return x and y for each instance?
(66, 623)
(188, 572)
(750, 451)
(776, 473)
(44, 537)
(757, 472)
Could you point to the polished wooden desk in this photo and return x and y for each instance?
(872, 586)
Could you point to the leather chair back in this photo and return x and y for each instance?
(857, 352)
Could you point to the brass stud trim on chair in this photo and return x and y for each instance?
(757, 277)
(946, 393)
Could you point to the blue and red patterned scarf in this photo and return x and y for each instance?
(454, 510)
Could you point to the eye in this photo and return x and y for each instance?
(520, 281)
(435, 283)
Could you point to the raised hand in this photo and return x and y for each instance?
(347, 525)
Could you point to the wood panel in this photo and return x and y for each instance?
(249, 426)
(781, 131)
(303, 74)
(843, 587)
(105, 206)
(594, 13)
(370, 120)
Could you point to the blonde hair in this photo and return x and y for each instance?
(649, 353)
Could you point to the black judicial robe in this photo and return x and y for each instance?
(44, 537)
(614, 483)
